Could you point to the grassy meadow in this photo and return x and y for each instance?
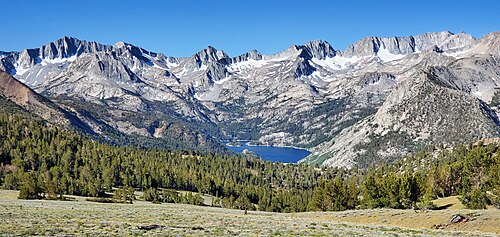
(82, 218)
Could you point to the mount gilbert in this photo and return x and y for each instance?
(377, 100)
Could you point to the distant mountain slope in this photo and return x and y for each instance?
(307, 95)
(15, 97)
(420, 111)
(20, 95)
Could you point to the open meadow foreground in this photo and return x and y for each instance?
(83, 218)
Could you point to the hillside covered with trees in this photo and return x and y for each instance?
(47, 162)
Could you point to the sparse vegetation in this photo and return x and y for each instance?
(82, 218)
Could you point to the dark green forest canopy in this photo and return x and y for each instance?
(64, 162)
(44, 161)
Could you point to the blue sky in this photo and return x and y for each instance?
(181, 28)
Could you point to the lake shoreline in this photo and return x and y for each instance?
(248, 143)
(284, 154)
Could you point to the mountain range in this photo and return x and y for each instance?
(377, 100)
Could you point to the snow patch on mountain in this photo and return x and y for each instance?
(47, 60)
(20, 70)
(210, 95)
(316, 79)
(337, 62)
(223, 80)
(386, 56)
(171, 64)
(203, 67)
(248, 64)
(457, 53)
(159, 67)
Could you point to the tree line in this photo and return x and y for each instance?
(44, 161)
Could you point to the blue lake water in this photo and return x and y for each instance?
(274, 153)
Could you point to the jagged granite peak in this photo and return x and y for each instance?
(62, 50)
(134, 57)
(369, 46)
(101, 66)
(445, 40)
(254, 55)
(290, 53)
(28, 57)
(317, 49)
(207, 55)
(489, 44)
(121, 44)
(69, 46)
(124, 48)
(320, 49)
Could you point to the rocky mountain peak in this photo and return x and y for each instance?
(209, 54)
(369, 46)
(121, 44)
(445, 40)
(254, 54)
(130, 51)
(69, 46)
(28, 57)
(291, 52)
(492, 35)
(431, 101)
(320, 49)
(489, 44)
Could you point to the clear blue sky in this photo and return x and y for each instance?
(181, 28)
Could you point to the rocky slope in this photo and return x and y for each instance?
(310, 95)
(15, 94)
(15, 97)
(422, 110)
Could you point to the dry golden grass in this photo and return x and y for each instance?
(485, 221)
(82, 218)
(449, 203)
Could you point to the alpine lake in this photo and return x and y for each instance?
(272, 153)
